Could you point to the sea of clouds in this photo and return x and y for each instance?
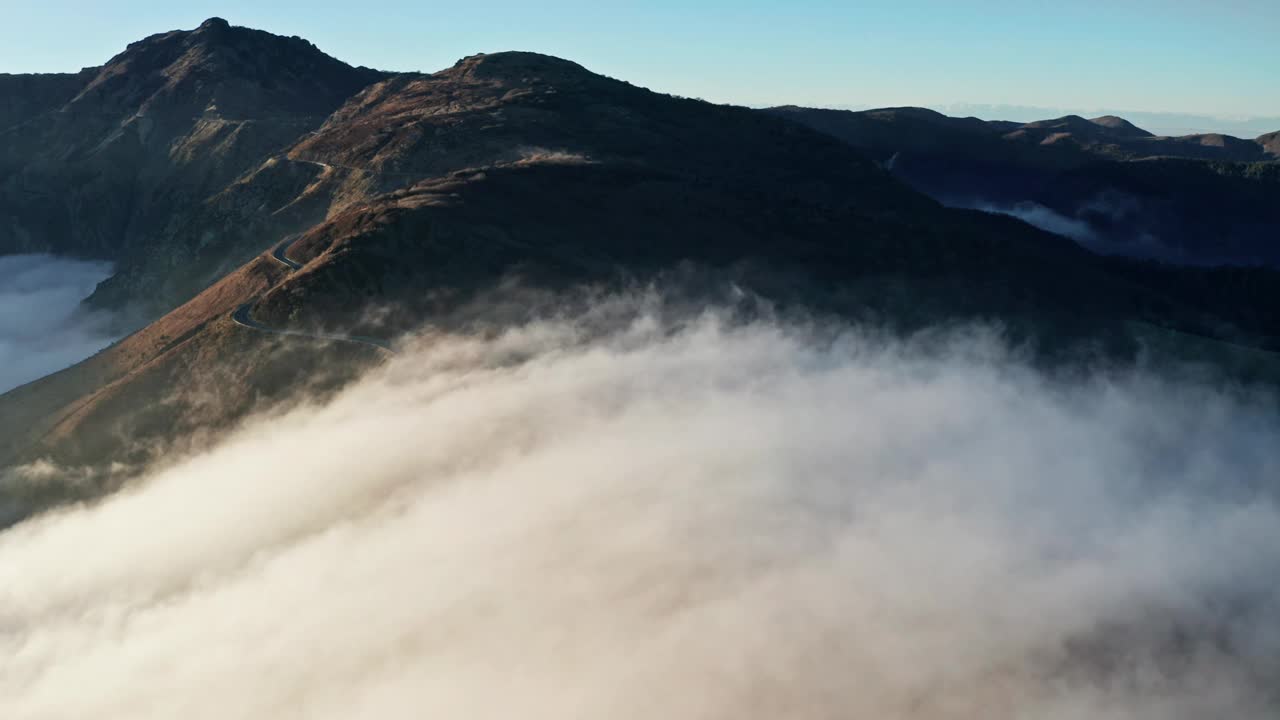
(42, 325)
(713, 519)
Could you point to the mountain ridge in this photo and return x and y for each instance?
(1127, 139)
(419, 193)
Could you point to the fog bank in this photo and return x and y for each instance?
(715, 521)
(42, 326)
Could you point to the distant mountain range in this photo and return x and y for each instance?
(1114, 187)
(1171, 124)
(1107, 136)
(233, 174)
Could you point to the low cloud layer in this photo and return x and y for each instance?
(1047, 219)
(720, 521)
(1123, 230)
(42, 326)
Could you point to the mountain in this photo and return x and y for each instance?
(1196, 200)
(1121, 127)
(115, 162)
(462, 196)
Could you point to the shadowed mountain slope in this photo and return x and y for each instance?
(26, 97)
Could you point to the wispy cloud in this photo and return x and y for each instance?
(1047, 219)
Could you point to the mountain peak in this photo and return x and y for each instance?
(518, 63)
(1120, 126)
(216, 32)
(214, 23)
(237, 72)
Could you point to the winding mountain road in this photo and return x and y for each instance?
(243, 315)
(278, 253)
(351, 168)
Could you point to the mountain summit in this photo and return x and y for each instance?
(225, 72)
(107, 162)
(1121, 127)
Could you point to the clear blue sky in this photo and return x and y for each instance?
(1218, 57)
